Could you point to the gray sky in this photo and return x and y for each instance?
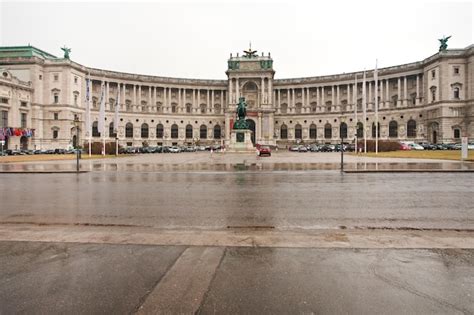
(193, 39)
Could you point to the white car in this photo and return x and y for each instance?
(415, 146)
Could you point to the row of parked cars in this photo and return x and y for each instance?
(32, 152)
(433, 146)
(167, 149)
(322, 148)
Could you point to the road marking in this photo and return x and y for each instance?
(182, 289)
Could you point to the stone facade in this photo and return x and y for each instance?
(430, 100)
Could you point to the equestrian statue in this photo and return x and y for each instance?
(241, 123)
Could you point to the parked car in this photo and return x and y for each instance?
(264, 150)
(302, 148)
(415, 146)
(314, 148)
(404, 147)
(174, 150)
(293, 148)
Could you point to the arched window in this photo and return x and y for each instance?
(456, 93)
(328, 131)
(393, 129)
(189, 132)
(298, 108)
(188, 108)
(360, 130)
(283, 132)
(144, 130)
(312, 131)
(159, 131)
(202, 108)
(217, 132)
(373, 130)
(112, 133)
(298, 132)
(343, 130)
(174, 131)
(129, 130)
(411, 129)
(284, 108)
(95, 129)
(203, 132)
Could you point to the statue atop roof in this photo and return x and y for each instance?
(250, 53)
(443, 43)
(66, 51)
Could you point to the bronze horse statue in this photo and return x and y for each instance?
(241, 123)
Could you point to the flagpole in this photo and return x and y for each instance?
(364, 104)
(88, 127)
(376, 109)
(355, 111)
(117, 104)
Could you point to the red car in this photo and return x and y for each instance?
(263, 150)
(404, 147)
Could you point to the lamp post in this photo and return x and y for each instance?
(76, 124)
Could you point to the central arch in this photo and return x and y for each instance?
(251, 124)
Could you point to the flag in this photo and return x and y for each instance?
(117, 104)
(101, 122)
(376, 109)
(88, 107)
(364, 108)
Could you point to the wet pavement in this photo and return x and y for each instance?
(216, 200)
(57, 278)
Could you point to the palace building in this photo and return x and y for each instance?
(41, 95)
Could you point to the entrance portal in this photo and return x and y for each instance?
(24, 143)
(435, 137)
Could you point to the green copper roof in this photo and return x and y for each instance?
(24, 51)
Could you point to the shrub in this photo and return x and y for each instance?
(384, 145)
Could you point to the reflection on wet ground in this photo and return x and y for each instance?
(232, 167)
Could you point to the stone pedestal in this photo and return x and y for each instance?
(241, 141)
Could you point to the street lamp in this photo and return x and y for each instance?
(76, 124)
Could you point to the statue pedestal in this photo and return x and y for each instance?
(241, 141)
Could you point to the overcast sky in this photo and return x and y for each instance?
(193, 39)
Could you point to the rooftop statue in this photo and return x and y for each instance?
(443, 43)
(66, 51)
(241, 123)
(250, 53)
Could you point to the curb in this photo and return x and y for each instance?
(43, 172)
(410, 171)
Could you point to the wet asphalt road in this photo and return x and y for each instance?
(62, 278)
(218, 199)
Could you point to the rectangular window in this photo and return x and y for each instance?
(55, 134)
(56, 116)
(56, 77)
(456, 70)
(75, 80)
(4, 100)
(4, 119)
(40, 77)
(433, 74)
(23, 104)
(23, 120)
(56, 98)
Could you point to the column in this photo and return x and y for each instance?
(180, 100)
(229, 88)
(302, 100)
(259, 127)
(134, 96)
(194, 101)
(417, 89)
(405, 91)
(124, 86)
(163, 106)
(322, 98)
(387, 92)
(349, 100)
(338, 98)
(354, 96)
(399, 92)
(288, 97)
(222, 101)
(318, 101)
(279, 99)
(140, 95)
(370, 102)
(207, 100)
(332, 96)
(293, 99)
(107, 95)
(149, 97)
(237, 92)
(262, 96)
(381, 103)
(270, 89)
(212, 100)
(199, 101)
(169, 98)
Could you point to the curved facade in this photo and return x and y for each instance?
(430, 100)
